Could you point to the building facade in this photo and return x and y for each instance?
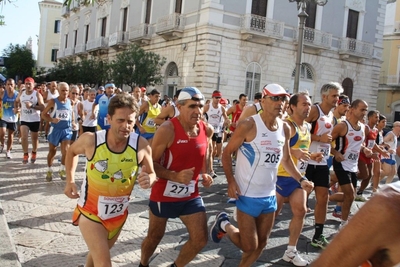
(49, 33)
(388, 102)
(237, 46)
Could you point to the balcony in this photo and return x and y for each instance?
(141, 34)
(80, 49)
(396, 28)
(315, 40)
(118, 39)
(352, 48)
(60, 54)
(390, 80)
(260, 28)
(69, 51)
(65, 11)
(75, 5)
(99, 44)
(170, 27)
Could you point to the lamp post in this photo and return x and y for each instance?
(301, 6)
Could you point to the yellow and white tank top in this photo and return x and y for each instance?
(148, 118)
(300, 140)
(110, 177)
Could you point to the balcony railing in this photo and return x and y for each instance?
(80, 48)
(315, 38)
(390, 80)
(261, 26)
(75, 5)
(69, 51)
(65, 11)
(171, 22)
(96, 44)
(357, 48)
(142, 31)
(118, 38)
(60, 54)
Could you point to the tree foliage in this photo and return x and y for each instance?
(134, 66)
(18, 61)
(88, 71)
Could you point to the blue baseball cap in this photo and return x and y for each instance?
(191, 93)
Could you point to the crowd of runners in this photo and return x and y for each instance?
(277, 150)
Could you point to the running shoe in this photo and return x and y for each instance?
(33, 157)
(213, 175)
(49, 176)
(63, 174)
(320, 242)
(8, 155)
(360, 198)
(342, 224)
(25, 159)
(337, 214)
(216, 233)
(295, 258)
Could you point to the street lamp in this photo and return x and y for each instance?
(301, 6)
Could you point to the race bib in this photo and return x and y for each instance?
(351, 155)
(302, 166)
(270, 159)
(63, 114)
(325, 149)
(105, 121)
(371, 143)
(111, 207)
(217, 129)
(150, 123)
(28, 111)
(178, 190)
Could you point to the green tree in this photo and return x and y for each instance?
(19, 61)
(94, 71)
(64, 70)
(134, 66)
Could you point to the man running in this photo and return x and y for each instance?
(29, 103)
(113, 159)
(85, 109)
(389, 164)
(9, 118)
(262, 142)
(321, 119)
(149, 110)
(100, 107)
(180, 159)
(60, 120)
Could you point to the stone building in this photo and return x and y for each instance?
(237, 46)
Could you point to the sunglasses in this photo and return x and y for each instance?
(217, 97)
(279, 98)
(74, 93)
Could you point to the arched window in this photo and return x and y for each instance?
(347, 85)
(306, 72)
(172, 70)
(253, 79)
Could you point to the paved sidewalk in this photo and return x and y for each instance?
(39, 220)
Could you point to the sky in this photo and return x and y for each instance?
(22, 19)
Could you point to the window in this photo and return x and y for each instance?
(103, 27)
(57, 26)
(352, 24)
(306, 72)
(178, 6)
(54, 55)
(311, 10)
(86, 33)
(347, 85)
(172, 70)
(259, 7)
(124, 19)
(66, 41)
(253, 79)
(148, 9)
(75, 37)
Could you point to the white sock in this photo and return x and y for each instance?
(291, 248)
(50, 169)
(62, 167)
(343, 222)
(223, 225)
